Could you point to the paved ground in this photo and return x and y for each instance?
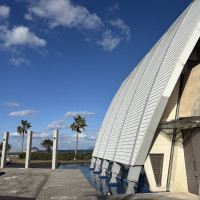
(155, 196)
(47, 184)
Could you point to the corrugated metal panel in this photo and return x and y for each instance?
(136, 111)
(106, 118)
(179, 41)
(129, 117)
(124, 107)
(112, 117)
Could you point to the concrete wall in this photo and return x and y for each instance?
(178, 181)
(162, 144)
(189, 105)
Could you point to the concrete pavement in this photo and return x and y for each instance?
(63, 184)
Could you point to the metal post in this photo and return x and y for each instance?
(28, 149)
(55, 149)
(4, 149)
(174, 134)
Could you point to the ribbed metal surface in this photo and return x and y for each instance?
(108, 127)
(124, 107)
(130, 115)
(157, 165)
(106, 118)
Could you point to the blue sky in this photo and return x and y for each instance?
(60, 58)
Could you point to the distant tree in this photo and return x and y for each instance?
(8, 147)
(78, 125)
(47, 144)
(23, 129)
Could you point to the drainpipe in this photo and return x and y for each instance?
(174, 134)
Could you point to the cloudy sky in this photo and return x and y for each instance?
(61, 58)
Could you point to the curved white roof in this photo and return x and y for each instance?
(133, 116)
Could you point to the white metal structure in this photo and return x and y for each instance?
(133, 116)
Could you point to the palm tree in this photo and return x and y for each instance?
(79, 123)
(23, 129)
(47, 144)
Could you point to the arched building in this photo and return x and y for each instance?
(154, 118)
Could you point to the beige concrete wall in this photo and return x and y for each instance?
(189, 106)
(190, 99)
(178, 181)
(162, 144)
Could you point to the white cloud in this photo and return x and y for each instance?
(64, 13)
(42, 135)
(4, 12)
(80, 135)
(81, 113)
(21, 35)
(109, 42)
(14, 134)
(19, 61)
(23, 113)
(91, 138)
(10, 104)
(28, 17)
(12, 40)
(113, 8)
(57, 125)
(122, 26)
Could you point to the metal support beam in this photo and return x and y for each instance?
(97, 169)
(55, 149)
(28, 149)
(93, 161)
(174, 134)
(104, 168)
(4, 149)
(133, 176)
(115, 171)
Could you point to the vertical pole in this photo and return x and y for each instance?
(55, 149)
(28, 149)
(174, 134)
(4, 149)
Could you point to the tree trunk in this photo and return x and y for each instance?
(76, 146)
(22, 141)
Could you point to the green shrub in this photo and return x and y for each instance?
(22, 155)
(61, 156)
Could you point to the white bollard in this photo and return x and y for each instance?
(28, 149)
(55, 149)
(4, 149)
